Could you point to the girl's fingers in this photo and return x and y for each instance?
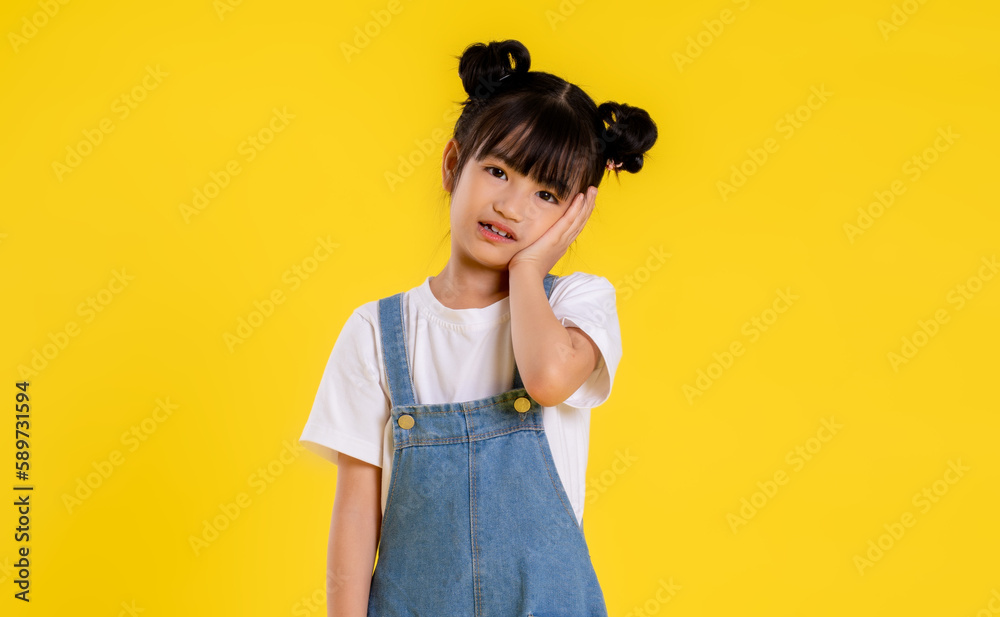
(577, 214)
(582, 213)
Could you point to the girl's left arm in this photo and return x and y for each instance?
(553, 360)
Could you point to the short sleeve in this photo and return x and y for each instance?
(587, 301)
(351, 409)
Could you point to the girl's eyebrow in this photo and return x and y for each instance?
(499, 158)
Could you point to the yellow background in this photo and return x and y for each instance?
(663, 519)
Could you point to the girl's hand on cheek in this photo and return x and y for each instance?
(542, 254)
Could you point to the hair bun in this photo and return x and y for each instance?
(482, 67)
(629, 135)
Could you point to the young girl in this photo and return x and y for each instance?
(458, 412)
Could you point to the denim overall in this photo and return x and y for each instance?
(477, 522)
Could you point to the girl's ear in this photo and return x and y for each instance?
(449, 165)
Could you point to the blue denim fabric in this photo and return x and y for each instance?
(477, 522)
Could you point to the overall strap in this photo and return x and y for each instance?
(549, 280)
(397, 366)
(394, 358)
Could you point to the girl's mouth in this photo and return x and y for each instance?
(494, 234)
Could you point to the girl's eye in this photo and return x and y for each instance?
(547, 196)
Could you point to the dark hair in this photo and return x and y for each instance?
(541, 125)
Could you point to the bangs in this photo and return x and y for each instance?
(549, 148)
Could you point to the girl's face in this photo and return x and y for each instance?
(490, 192)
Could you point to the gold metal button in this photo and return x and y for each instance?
(405, 421)
(522, 404)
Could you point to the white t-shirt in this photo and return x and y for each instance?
(458, 355)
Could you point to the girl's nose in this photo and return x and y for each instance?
(508, 210)
(513, 204)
